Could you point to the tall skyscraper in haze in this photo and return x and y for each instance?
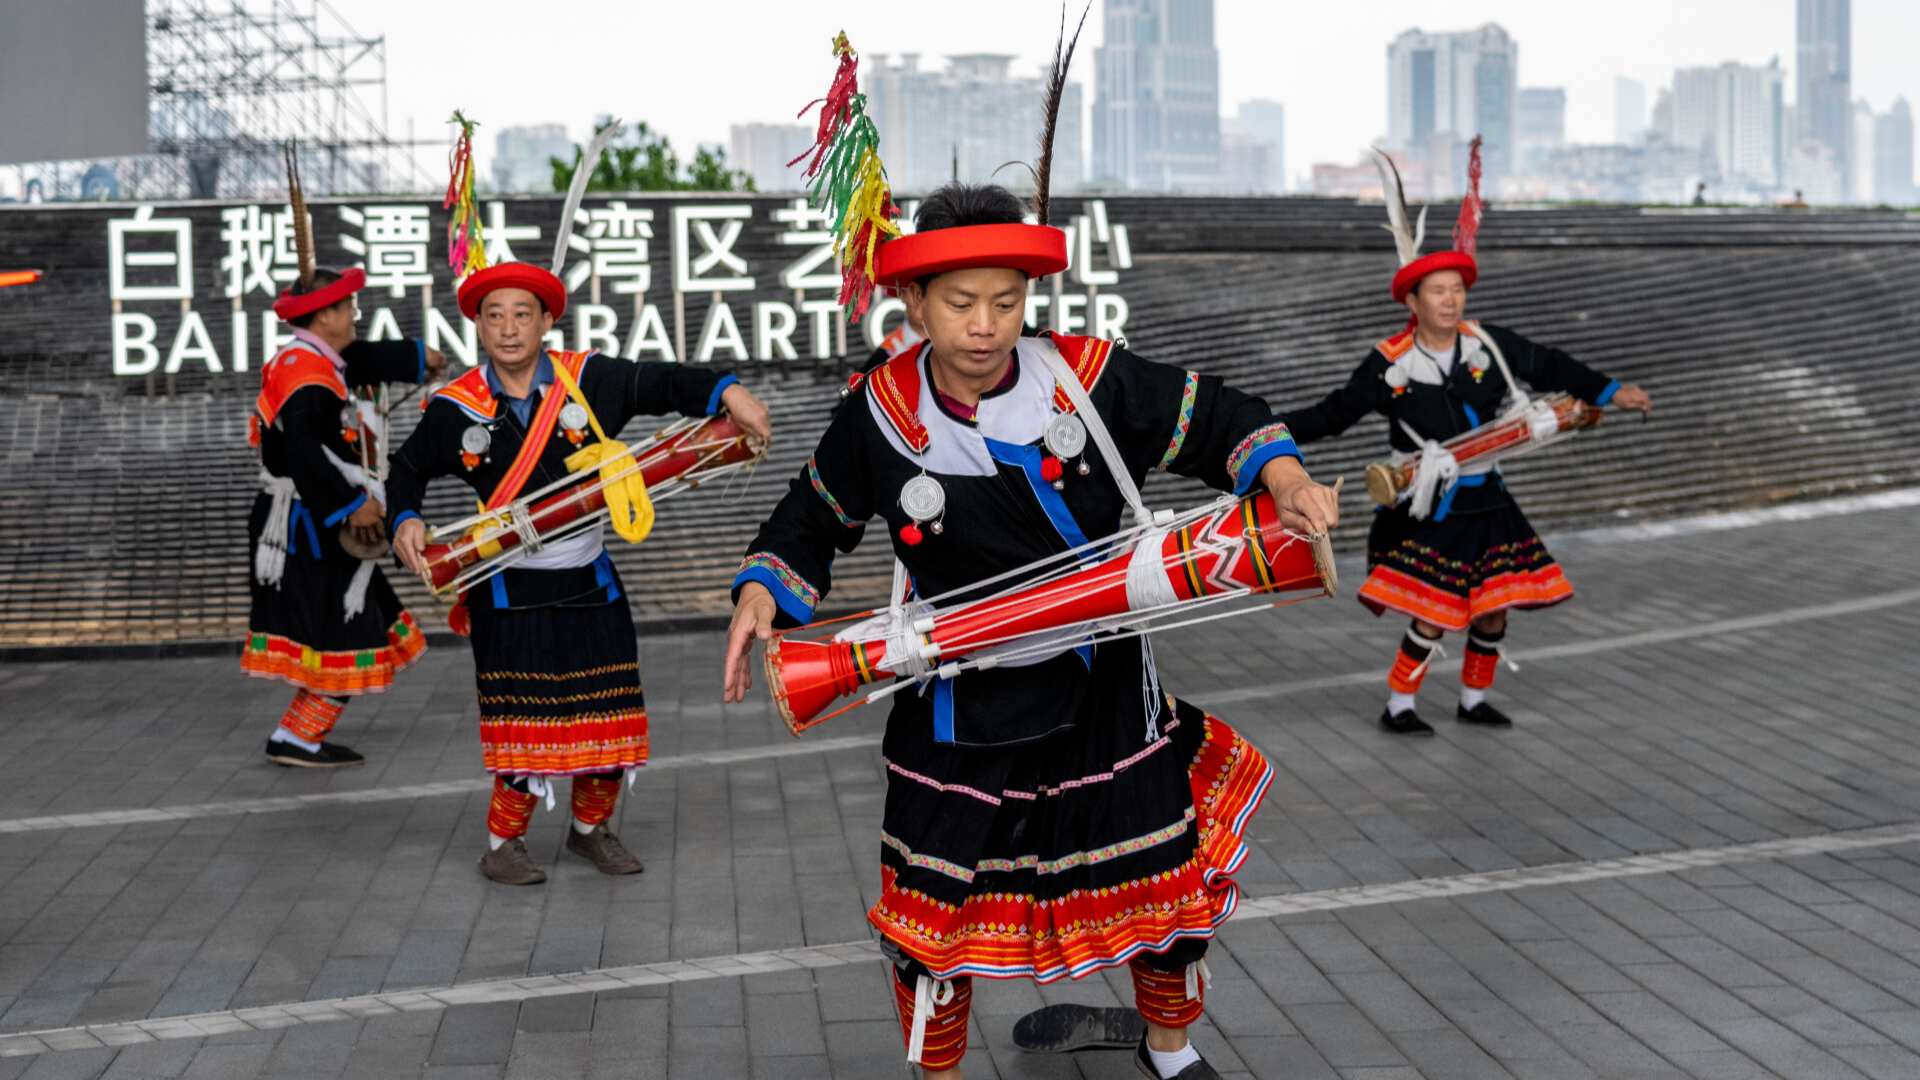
(1253, 148)
(520, 157)
(1629, 111)
(966, 120)
(1156, 102)
(1893, 156)
(1540, 127)
(1445, 88)
(1733, 112)
(1823, 79)
(762, 151)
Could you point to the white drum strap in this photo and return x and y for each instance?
(1097, 428)
(356, 599)
(1519, 396)
(270, 555)
(1438, 470)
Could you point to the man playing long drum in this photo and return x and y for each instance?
(1455, 560)
(323, 618)
(554, 650)
(1062, 814)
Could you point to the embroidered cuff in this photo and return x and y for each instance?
(1607, 394)
(713, 400)
(403, 516)
(341, 514)
(1254, 451)
(791, 592)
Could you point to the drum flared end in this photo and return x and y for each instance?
(770, 664)
(1380, 483)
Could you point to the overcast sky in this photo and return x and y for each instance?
(692, 69)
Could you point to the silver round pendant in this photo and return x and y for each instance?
(1066, 436)
(350, 416)
(476, 439)
(923, 498)
(573, 416)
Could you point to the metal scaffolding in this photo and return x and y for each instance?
(229, 82)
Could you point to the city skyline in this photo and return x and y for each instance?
(1561, 48)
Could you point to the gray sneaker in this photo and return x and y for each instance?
(509, 864)
(604, 850)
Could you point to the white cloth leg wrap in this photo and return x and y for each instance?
(927, 993)
(541, 786)
(1199, 976)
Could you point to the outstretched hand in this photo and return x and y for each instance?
(1631, 396)
(749, 412)
(1303, 506)
(752, 620)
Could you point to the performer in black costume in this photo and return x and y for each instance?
(323, 618)
(553, 638)
(1055, 818)
(1474, 556)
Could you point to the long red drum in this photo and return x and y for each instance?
(1496, 439)
(667, 460)
(1243, 547)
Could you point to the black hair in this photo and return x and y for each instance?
(321, 279)
(958, 205)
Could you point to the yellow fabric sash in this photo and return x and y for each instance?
(628, 505)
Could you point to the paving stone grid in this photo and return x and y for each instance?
(1739, 703)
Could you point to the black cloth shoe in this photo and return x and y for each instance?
(329, 756)
(1483, 714)
(1199, 1070)
(1405, 723)
(1060, 1029)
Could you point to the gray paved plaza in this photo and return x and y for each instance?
(1698, 854)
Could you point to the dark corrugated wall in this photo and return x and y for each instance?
(1780, 348)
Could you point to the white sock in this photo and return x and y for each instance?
(1399, 703)
(494, 840)
(582, 827)
(1471, 697)
(281, 734)
(1169, 1065)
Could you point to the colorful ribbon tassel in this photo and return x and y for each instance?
(848, 181)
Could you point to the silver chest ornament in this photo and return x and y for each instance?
(1398, 377)
(474, 443)
(1065, 439)
(925, 501)
(573, 422)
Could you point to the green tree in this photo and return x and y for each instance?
(651, 165)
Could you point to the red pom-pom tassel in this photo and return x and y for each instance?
(1050, 469)
(910, 535)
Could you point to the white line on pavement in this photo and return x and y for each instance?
(799, 747)
(412, 791)
(1898, 499)
(1587, 648)
(294, 1014)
